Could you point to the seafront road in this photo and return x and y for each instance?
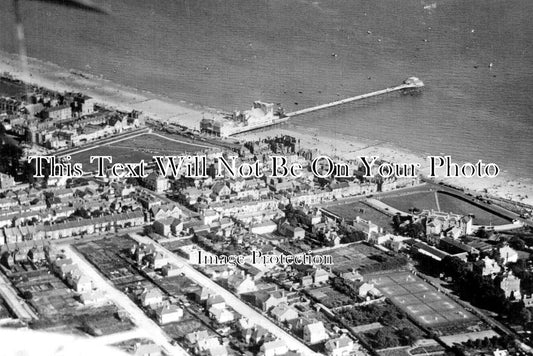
(233, 301)
(149, 328)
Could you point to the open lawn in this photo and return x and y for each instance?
(352, 210)
(362, 257)
(134, 150)
(432, 200)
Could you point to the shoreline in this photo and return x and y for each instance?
(113, 95)
(344, 148)
(106, 92)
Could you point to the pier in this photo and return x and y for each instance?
(409, 84)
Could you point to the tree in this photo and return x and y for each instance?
(385, 338)
(27, 295)
(517, 243)
(407, 336)
(482, 233)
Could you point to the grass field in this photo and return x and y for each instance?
(443, 202)
(134, 150)
(352, 210)
(359, 256)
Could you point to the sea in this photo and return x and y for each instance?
(475, 58)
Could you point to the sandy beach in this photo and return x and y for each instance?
(113, 95)
(346, 149)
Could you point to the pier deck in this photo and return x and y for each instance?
(411, 83)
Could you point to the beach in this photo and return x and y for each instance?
(112, 95)
(345, 148)
(48, 75)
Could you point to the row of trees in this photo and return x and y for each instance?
(397, 330)
(482, 291)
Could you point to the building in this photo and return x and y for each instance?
(170, 270)
(156, 182)
(215, 300)
(487, 267)
(315, 333)
(510, 285)
(169, 314)
(151, 297)
(57, 113)
(273, 348)
(269, 300)
(341, 346)
(6, 181)
(147, 350)
(508, 255)
(368, 291)
(283, 312)
(366, 226)
(82, 284)
(241, 284)
(92, 297)
(293, 232)
(320, 276)
(221, 315)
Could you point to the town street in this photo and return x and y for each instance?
(149, 328)
(233, 301)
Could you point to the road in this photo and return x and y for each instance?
(233, 301)
(149, 328)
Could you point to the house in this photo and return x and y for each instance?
(82, 284)
(283, 312)
(147, 350)
(165, 211)
(157, 260)
(208, 217)
(259, 335)
(296, 233)
(368, 291)
(341, 346)
(508, 255)
(320, 276)
(352, 276)
(59, 113)
(315, 333)
(220, 190)
(6, 181)
(169, 314)
(241, 284)
(197, 337)
(487, 267)
(156, 182)
(217, 350)
(366, 226)
(92, 297)
(202, 294)
(273, 348)
(216, 301)
(170, 270)
(221, 315)
(168, 226)
(162, 226)
(151, 297)
(510, 285)
(267, 300)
